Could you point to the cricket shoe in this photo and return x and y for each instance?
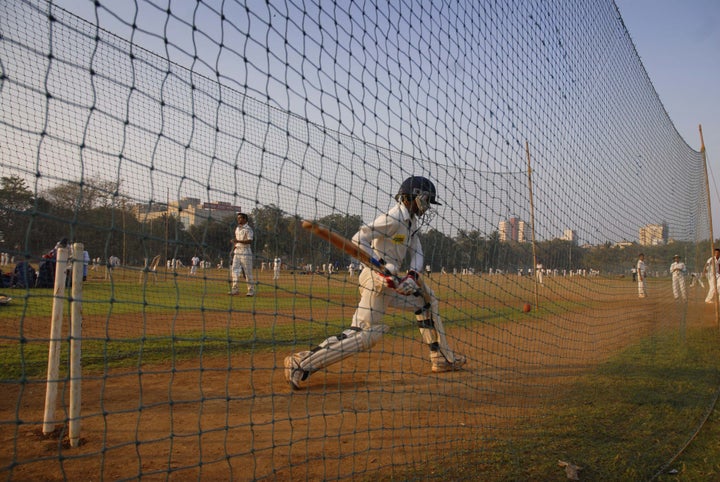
(293, 373)
(441, 365)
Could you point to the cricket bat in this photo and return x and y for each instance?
(353, 250)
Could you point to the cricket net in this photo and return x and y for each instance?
(139, 128)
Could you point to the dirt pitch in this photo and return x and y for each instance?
(375, 414)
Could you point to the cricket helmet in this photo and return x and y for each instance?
(420, 190)
(418, 186)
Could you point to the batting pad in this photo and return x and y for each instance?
(349, 342)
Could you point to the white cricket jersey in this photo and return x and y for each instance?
(243, 233)
(709, 267)
(390, 237)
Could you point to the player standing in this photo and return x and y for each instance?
(677, 269)
(641, 269)
(242, 255)
(277, 263)
(388, 238)
(194, 263)
(712, 271)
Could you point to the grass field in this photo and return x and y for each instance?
(181, 378)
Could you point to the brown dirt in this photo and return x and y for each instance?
(378, 412)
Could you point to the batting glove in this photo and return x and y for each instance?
(391, 277)
(407, 285)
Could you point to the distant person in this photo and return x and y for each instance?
(113, 262)
(242, 255)
(712, 271)
(677, 272)
(695, 279)
(641, 272)
(194, 263)
(277, 264)
(86, 264)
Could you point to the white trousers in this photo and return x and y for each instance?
(712, 288)
(376, 297)
(678, 286)
(366, 330)
(243, 263)
(642, 287)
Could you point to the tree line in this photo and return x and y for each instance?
(96, 214)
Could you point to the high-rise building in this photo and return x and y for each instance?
(190, 211)
(523, 232)
(653, 234)
(513, 229)
(503, 231)
(570, 235)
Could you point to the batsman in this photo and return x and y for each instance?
(389, 239)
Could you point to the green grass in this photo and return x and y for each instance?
(26, 359)
(627, 421)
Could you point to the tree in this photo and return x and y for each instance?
(439, 250)
(343, 224)
(211, 239)
(272, 235)
(82, 196)
(16, 200)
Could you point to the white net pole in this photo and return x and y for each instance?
(75, 344)
(49, 421)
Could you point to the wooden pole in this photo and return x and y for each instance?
(51, 387)
(75, 345)
(710, 221)
(532, 225)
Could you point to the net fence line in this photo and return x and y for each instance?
(178, 116)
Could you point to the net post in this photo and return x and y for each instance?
(532, 225)
(710, 221)
(61, 257)
(76, 344)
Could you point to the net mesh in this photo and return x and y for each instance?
(140, 129)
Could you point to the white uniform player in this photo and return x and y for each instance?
(388, 238)
(642, 284)
(242, 256)
(677, 270)
(194, 263)
(713, 275)
(277, 263)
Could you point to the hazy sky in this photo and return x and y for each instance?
(461, 110)
(679, 44)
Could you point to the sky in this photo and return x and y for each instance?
(678, 42)
(480, 125)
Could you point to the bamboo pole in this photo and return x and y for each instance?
(532, 226)
(51, 387)
(75, 345)
(710, 221)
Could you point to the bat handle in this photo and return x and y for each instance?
(380, 263)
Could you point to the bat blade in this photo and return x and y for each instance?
(341, 243)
